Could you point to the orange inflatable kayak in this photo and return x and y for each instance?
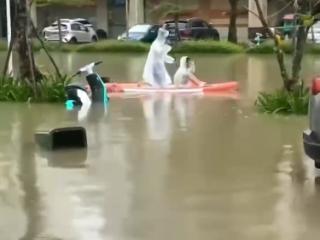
(138, 88)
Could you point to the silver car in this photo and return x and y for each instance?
(311, 137)
(72, 31)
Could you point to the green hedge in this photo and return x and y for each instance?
(139, 47)
(208, 47)
(202, 46)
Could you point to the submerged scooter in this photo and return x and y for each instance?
(79, 96)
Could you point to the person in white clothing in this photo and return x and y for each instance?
(155, 73)
(184, 76)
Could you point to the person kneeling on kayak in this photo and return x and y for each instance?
(184, 76)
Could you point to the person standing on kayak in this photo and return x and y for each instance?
(184, 76)
(155, 73)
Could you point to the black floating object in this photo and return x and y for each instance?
(62, 138)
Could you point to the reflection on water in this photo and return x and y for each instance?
(156, 111)
(161, 166)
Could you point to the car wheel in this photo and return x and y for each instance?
(73, 40)
(94, 39)
(317, 164)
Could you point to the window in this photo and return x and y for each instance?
(119, 3)
(76, 27)
(181, 25)
(154, 29)
(63, 26)
(83, 28)
(198, 24)
(85, 22)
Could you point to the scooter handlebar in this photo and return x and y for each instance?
(76, 74)
(87, 68)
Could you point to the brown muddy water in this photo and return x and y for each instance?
(161, 167)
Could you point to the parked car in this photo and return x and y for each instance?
(102, 34)
(314, 33)
(193, 28)
(72, 31)
(311, 137)
(141, 32)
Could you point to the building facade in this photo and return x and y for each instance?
(113, 15)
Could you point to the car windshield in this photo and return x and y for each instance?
(137, 32)
(84, 22)
(139, 29)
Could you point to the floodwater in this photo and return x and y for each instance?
(172, 167)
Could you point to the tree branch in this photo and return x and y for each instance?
(6, 63)
(279, 52)
(44, 48)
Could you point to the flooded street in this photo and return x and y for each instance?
(171, 167)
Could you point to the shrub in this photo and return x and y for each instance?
(50, 89)
(284, 102)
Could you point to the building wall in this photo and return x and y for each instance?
(114, 19)
(115, 15)
(46, 15)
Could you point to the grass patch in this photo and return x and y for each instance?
(50, 89)
(3, 46)
(283, 102)
(203, 46)
(313, 48)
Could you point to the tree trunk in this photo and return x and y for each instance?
(298, 54)
(232, 35)
(279, 52)
(299, 44)
(22, 44)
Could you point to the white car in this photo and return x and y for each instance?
(314, 33)
(72, 31)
